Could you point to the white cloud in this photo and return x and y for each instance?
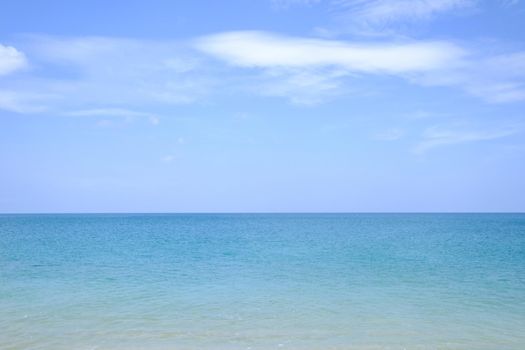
(127, 114)
(499, 78)
(11, 60)
(508, 3)
(302, 86)
(309, 71)
(95, 71)
(496, 79)
(135, 77)
(24, 102)
(374, 12)
(265, 50)
(498, 92)
(438, 136)
(107, 112)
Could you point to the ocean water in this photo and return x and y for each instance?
(265, 281)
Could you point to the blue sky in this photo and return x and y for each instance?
(262, 106)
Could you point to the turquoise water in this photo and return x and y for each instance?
(269, 281)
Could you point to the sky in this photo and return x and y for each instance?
(262, 106)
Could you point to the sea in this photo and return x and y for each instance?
(262, 281)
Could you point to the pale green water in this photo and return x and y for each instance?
(305, 281)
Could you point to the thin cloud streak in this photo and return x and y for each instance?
(434, 137)
(129, 74)
(495, 79)
(266, 50)
(310, 71)
(141, 75)
(380, 12)
(110, 112)
(127, 114)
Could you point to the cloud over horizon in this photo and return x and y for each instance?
(265, 105)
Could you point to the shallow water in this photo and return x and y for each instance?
(239, 281)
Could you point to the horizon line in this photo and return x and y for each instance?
(258, 212)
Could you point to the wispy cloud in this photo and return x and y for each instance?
(22, 101)
(266, 50)
(127, 114)
(381, 12)
(309, 71)
(11, 60)
(98, 71)
(509, 3)
(443, 136)
(495, 78)
(134, 77)
(108, 112)
(302, 86)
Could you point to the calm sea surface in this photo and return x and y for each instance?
(269, 281)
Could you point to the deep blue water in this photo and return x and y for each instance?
(261, 281)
